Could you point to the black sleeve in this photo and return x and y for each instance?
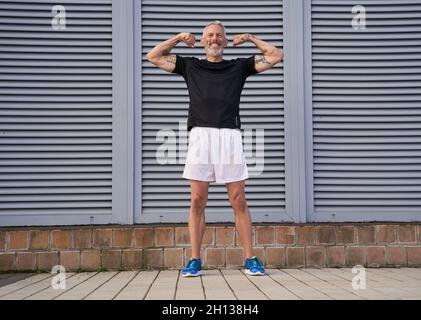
(249, 66)
(180, 66)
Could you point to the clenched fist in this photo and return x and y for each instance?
(241, 38)
(188, 38)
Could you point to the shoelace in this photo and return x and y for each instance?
(191, 264)
(255, 263)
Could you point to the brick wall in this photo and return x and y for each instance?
(167, 246)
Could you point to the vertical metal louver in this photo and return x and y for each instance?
(367, 109)
(55, 110)
(165, 194)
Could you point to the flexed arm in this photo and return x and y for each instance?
(271, 55)
(160, 54)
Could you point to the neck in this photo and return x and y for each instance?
(214, 59)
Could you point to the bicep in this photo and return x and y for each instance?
(166, 63)
(262, 62)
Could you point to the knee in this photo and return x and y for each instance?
(198, 202)
(238, 202)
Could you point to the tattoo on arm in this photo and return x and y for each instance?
(260, 59)
(171, 59)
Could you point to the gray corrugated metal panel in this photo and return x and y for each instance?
(56, 190)
(366, 124)
(57, 84)
(353, 43)
(56, 212)
(34, 163)
(56, 102)
(402, 110)
(55, 42)
(55, 141)
(56, 70)
(367, 140)
(381, 196)
(71, 78)
(43, 185)
(248, 17)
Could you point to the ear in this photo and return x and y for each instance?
(226, 42)
(202, 42)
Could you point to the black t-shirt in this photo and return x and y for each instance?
(214, 90)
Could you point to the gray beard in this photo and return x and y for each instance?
(214, 53)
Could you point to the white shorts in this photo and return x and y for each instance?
(215, 155)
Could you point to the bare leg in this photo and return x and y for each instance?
(197, 224)
(237, 198)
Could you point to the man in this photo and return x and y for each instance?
(215, 87)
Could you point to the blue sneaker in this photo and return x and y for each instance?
(254, 267)
(192, 268)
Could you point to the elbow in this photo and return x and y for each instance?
(148, 56)
(279, 56)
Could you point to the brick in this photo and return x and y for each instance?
(61, 239)
(164, 237)
(396, 256)
(154, 258)
(2, 240)
(103, 238)
(90, 260)
(235, 257)
(132, 259)
(173, 258)
(285, 234)
(335, 256)
(215, 257)
(111, 259)
(182, 236)
(47, 260)
(355, 256)
(82, 238)
(39, 240)
(345, 234)
(414, 256)
(306, 235)
(122, 237)
(407, 234)
(143, 237)
(70, 260)
(26, 261)
(7, 261)
(325, 235)
(275, 257)
(419, 233)
(315, 257)
(376, 256)
(386, 234)
(295, 257)
(260, 253)
(224, 236)
(209, 236)
(366, 234)
(265, 235)
(18, 240)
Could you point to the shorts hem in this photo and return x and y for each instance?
(232, 180)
